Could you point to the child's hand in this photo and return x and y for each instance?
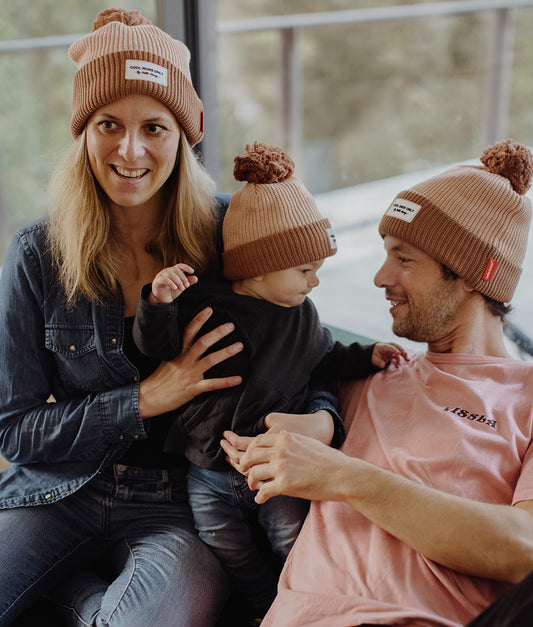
(170, 282)
(384, 353)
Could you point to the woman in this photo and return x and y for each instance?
(82, 414)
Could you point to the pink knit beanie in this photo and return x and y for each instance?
(473, 219)
(125, 54)
(272, 223)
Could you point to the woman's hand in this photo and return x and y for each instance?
(176, 382)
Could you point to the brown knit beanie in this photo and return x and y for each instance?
(125, 54)
(272, 223)
(473, 219)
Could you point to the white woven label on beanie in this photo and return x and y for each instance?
(138, 70)
(332, 238)
(403, 209)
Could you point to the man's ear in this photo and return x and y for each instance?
(466, 285)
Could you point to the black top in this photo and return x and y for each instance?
(148, 453)
(285, 348)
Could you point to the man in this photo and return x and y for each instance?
(425, 516)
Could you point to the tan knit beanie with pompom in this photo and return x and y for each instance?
(272, 223)
(473, 219)
(126, 54)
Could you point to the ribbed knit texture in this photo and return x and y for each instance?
(101, 59)
(471, 220)
(273, 226)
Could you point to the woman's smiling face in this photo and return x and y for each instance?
(132, 146)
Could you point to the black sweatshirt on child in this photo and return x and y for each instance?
(285, 349)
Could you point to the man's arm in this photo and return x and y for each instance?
(478, 539)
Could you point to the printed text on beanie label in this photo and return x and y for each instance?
(138, 70)
(403, 209)
(332, 238)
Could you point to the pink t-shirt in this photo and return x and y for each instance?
(459, 423)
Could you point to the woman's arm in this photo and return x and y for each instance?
(76, 427)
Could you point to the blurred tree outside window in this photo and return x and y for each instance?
(35, 101)
(378, 99)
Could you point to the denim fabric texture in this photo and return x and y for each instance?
(228, 520)
(68, 412)
(61, 453)
(76, 356)
(161, 574)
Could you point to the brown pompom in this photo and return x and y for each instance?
(263, 164)
(511, 160)
(130, 18)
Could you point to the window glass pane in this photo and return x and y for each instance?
(373, 101)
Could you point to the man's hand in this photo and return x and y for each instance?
(287, 463)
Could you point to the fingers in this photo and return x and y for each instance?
(236, 443)
(208, 385)
(206, 341)
(170, 282)
(387, 352)
(234, 447)
(398, 350)
(178, 275)
(259, 450)
(191, 330)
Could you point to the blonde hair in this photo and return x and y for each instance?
(85, 244)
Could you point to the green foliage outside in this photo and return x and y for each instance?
(35, 101)
(378, 99)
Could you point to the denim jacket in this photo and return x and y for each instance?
(75, 356)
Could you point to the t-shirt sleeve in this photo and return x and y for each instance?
(349, 395)
(524, 486)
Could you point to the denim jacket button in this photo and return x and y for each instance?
(114, 340)
(120, 437)
(135, 437)
(48, 496)
(72, 348)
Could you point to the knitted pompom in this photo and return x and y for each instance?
(511, 160)
(263, 164)
(130, 18)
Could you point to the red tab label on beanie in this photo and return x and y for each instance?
(138, 70)
(490, 270)
(403, 209)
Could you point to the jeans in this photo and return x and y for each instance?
(140, 521)
(224, 513)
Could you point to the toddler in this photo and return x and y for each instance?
(275, 241)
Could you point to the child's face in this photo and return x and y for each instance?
(288, 288)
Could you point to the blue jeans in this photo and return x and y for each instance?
(139, 520)
(224, 513)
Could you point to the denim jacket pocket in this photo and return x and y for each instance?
(74, 347)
